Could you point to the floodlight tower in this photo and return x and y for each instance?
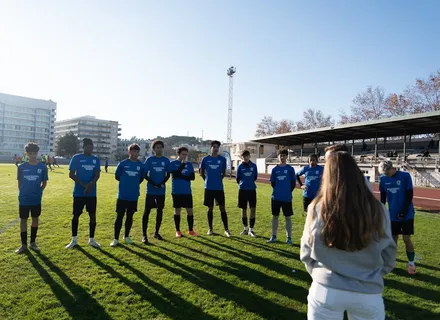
(230, 72)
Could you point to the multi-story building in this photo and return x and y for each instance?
(104, 133)
(23, 120)
(145, 146)
(256, 151)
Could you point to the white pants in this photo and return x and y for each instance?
(330, 304)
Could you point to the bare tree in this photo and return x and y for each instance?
(286, 126)
(313, 119)
(424, 96)
(267, 126)
(397, 105)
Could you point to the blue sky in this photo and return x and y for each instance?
(159, 67)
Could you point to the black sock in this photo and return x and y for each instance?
(159, 219)
(92, 228)
(177, 221)
(75, 222)
(145, 218)
(225, 219)
(252, 222)
(23, 236)
(210, 218)
(190, 219)
(245, 222)
(33, 233)
(128, 223)
(118, 225)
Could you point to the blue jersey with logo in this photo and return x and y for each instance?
(156, 168)
(31, 177)
(129, 174)
(85, 168)
(247, 173)
(214, 167)
(181, 186)
(283, 177)
(313, 176)
(395, 188)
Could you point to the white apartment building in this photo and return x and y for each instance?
(256, 150)
(23, 120)
(104, 133)
(145, 146)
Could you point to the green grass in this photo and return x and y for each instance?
(188, 278)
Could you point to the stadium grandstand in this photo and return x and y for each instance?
(411, 142)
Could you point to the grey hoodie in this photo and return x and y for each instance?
(359, 271)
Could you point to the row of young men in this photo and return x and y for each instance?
(85, 171)
(395, 186)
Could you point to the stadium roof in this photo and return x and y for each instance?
(422, 123)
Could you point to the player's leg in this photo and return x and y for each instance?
(253, 206)
(288, 213)
(149, 204)
(242, 204)
(91, 209)
(220, 198)
(121, 207)
(24, 216)
(78, 207)
(131, 210)
(209, 202)
(160, 204)
(276, 208)
(190, 219)
(306, 202)
(407, 231)
(177, 212)
(35, 213)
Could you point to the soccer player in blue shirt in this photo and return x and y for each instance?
(32, 180)
(246, 175)
(130, 173)
(397, 187)
(212, 170)
(85, 170)
(182, 174)
(156, 169)
(313, 175)
(283, 183)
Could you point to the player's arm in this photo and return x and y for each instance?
(167, 176)
(118, 172)
(74, 177)
(224, 170)
(272, 180)
(292, 180)
(409, 194)
(178, 173)
(203, 169)
(383, 193)
(305, 248)
(237, 175)
(142, 175)
(298, 176)
(19, 174)
(256, 173)
(45, 178)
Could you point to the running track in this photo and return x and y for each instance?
(425, 198)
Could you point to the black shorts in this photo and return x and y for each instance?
(306, 202)
(182, 201)
(245, 197)
(35, 211)
(405, 227)
(211, 195)
(80, 202)
(123, 206)
(154, 201)
(278, 205)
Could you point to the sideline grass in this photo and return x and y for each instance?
(188, 278)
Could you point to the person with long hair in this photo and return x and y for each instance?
(347, 245)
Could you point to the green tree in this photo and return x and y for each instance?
(67, 145)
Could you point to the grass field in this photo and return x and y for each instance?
(187, 278)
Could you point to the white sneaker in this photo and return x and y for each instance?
(228, 234)
(252, 233)
(210, 232)
(128, 240)
(23, 248)
(114, 243)
(34, 246)
(244, 232)
(71, 244)
(93, 243)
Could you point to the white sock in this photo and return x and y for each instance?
(251, 229)
(411, 263)
(245, 228)
(74, 238)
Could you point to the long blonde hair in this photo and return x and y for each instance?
(352, 217)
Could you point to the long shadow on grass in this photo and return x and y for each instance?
(412, 290)
(174, 307)
(408, 311)
(251, 258)
(82, 305)
(246, 299)
(271, 247)
(254, 276)
(427, 266)
(419, 276)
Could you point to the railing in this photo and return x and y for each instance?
(420, 179)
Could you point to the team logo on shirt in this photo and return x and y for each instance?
(138, 168)
(398, 182)
(219, 162)
(163, 163)
(94, 161)
(39, 170)
(285, 171)
(317, 172)
(252, 169)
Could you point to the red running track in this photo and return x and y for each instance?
(425, 198)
